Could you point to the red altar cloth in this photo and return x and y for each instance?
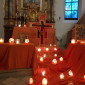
(14, 56)
(31, 32)
(74, 60)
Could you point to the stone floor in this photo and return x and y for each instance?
(15, 77)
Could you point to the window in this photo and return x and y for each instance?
(71, 9)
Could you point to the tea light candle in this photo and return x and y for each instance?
(44, 81)
(73, 41)
(43, 73)
(31, 81)
(70, 73)
(61, 58)
(50, 45)
(61, 76)
(19, 25)
(1, 40)
(17, 41)
(41, 59)
(39, 49)
(11, 40)
(55, 55)
(26, 41)
(54, 61)
(47, 49)
(84, 77)
(25, 25)
(44, 56)
(55, 49)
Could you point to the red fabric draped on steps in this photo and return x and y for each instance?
(74, 60)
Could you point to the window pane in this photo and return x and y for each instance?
(68, 0)
(75, 6)
(74, 0)
(68, 6)
(67, 14)
(74, 14)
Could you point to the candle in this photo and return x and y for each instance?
(44, 81)
(73, 41)
(39, 49)
(61, 58)
(19, 25)
(17, 41)
(84, 77)
(31, 81)
(26, 41)
(54, 61)
(11, 40)
(44, 56)
(55, 55)
(55, 49)
(50, 45)
(1, 40)
(43, 73)
(41, 59)
(47, 49)
(25, 25)
(70, 73)
(61, 76)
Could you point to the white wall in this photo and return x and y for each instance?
(63, 26)
(1, 19)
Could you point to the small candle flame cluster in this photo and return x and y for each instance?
(62, 76)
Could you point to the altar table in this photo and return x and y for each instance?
(14, 56)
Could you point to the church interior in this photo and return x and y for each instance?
(42, 42)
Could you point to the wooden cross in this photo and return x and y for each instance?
(42, 29)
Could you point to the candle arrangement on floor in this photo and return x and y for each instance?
(47, 55)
